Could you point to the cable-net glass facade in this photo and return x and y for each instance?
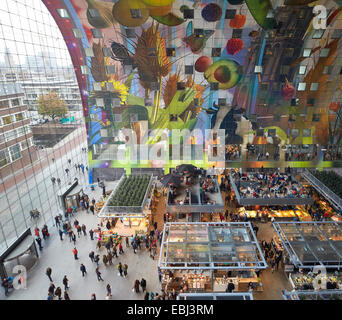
(41, 117)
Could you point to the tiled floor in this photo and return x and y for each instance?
(58, 255)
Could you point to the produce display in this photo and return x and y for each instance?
(131, 191)
(106, 234)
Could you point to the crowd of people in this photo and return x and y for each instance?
(332, 153)
(269, 185)
(300, 153)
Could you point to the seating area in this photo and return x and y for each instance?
(269, 185)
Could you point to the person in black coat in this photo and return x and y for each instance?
(143, 284)
(39, 241)
(83, 269)
(230, 287)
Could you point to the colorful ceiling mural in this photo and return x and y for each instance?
(264, 71)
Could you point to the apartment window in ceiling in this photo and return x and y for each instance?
(302, 69)
(230, 13)
(324, 53)
(77, 33)
(116, 102)
(214, 86)
(107, 52)
(96, 33)
(326, 70)
(15, 152)
(314, 86)
(222, 102)
(258, 69)
(237, 33)
(62, 13)
(337, 34)
(84, 69)
(284, 69)
(130, 33)
(301, 86)
(97, 86)
(89, 52)
(188, 13)
(109, 86)
(118, 117)
(295, 133)
(110, 69)
(180, 86)
(306, 133)
(189, 69)
(100, 102)
(199, 33)
(288, 52)
(171, 52)
(136, 13)
(94, 13)
(306, 53)
(318, 34)
(216, 52)
(316, 117)
(277, 117)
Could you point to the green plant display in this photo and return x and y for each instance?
(331, 179)
(131, 191)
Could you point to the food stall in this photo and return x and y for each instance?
(201, 256)
(298, 212)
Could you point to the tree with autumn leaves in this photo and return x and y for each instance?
(52, 105)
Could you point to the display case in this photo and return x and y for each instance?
(307, 281)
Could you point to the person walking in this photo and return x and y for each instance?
(97, 259)
(115, 254)
(73, 237)
(104, 260)
(92, 209)
(5, 284)
(91, 233)
(58, 223)
(58, 293)
(136, 286)
(48, 273)
(84, 230)
(65, 282)
(120, 248)
(134, 246)
(83, 269)
(147, 295)
(60, 234)
(75, 252)
(59, 181)
(273, 263)
(79, 230)
(110, 258)
(39, 241)
(98, 274)
(66, 295)
(92, 255)
(119, 267)
(127, 242)
(125, 268)
(143, 284)
(52, 289)
(93, 296)
(109, 289)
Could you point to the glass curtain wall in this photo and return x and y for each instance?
(34, 61)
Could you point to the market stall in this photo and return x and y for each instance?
(297, 212)
(206, 256)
